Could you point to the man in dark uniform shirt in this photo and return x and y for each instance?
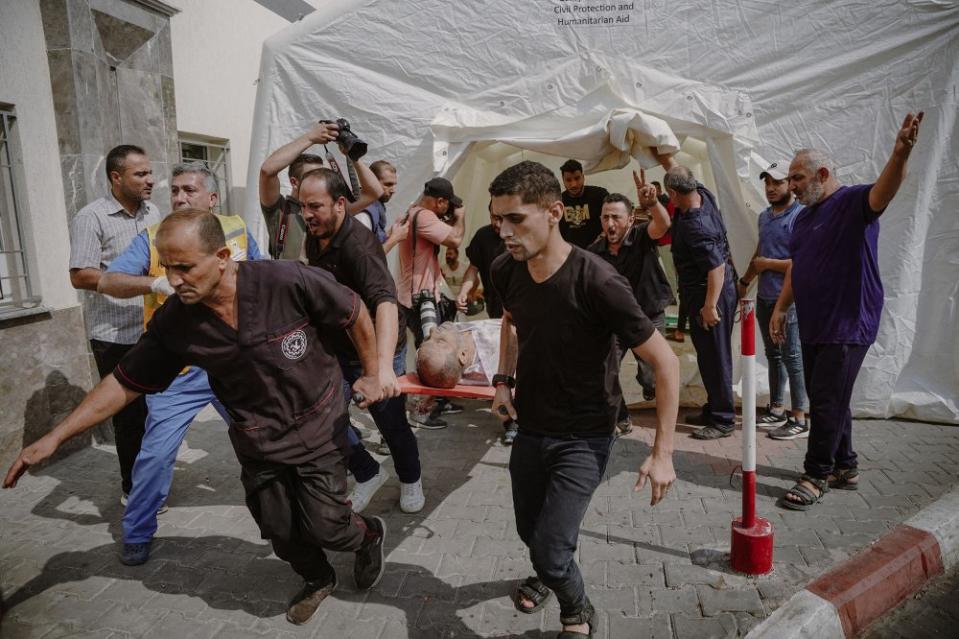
(340, 244)
(260, 330)
(485, 247)
(632, 251)
(707, 286)
(563, 310)
(582, 205)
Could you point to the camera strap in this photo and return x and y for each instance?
(350, 176)
(282, 228)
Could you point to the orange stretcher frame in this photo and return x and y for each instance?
(410, 383)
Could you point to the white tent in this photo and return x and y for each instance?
(465, 89)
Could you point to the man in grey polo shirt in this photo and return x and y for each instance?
(101, 231)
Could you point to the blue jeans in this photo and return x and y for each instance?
(785, 360)
(553, 480)
(390, 418)
(169, 415)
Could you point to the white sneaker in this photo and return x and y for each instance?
(412, 499)
(364, 490)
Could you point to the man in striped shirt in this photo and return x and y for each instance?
(100, 232)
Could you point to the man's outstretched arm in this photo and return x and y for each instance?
(105, 400)
(658, 467)
(283, 157)
(889, 181)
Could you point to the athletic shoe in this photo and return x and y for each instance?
(712, 432)
(698, 420)
(412, 499)
(769, 419)
(369, 564)
(427, 422)
(446, 407)
(364, 490)
(306, 602)
(649, 394)
(791, 430)
(124, 498)
(509, 436)
(624, 426)
(135, 554)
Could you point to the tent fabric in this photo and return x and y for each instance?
(441, 88)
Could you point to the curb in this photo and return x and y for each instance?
(842, 602)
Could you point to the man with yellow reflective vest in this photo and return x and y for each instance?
(138, 272)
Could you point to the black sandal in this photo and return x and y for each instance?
(843, 479)
(534, 590)
(583, 616)
(807, 498)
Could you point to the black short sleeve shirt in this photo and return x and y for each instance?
(485, 247)
(355, 258)
(638, 261)
(274, 374)
(581, 223)
(567, 377)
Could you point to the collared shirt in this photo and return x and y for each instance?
(355, 258)
(274, 373)
(835, 272)
(775, 230)
(638, 261)
(102, 230)
(699, 244)
(486, 334)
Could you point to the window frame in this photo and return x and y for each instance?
(222, 146)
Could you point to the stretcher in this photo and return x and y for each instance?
(410, 383)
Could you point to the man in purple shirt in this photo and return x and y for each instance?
(834, 281)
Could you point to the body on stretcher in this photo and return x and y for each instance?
(410, 384)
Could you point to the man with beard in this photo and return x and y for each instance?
(834, 281)
(632, 250)
(342, 246)
(563, 310)
(261, 331)
(770, 262)
(582, 204)
(138, 273)
(100, 232)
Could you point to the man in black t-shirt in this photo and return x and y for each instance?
(485, 246)
(632, 250)
(563, 310)
(341, 245)
(582, 205)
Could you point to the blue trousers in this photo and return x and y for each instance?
(390, 418)
(784, 361)
(714, 352)
(169, 414)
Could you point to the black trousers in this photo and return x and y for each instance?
(303, 509)
(644, 372)
(714, 352)
(553, 482)
(130, 423)
(830, 371)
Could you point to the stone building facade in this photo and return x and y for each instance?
(77, 77)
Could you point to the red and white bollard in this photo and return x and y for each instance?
(752, 536)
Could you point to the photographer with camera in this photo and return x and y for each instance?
(282, 213)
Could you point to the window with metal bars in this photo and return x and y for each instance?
(215, 154)
(18, 291)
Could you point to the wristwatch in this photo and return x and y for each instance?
(508, 380)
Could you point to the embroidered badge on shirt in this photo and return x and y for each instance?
(294, 345)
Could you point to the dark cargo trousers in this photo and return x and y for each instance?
(303, 509)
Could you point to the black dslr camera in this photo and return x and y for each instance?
(355, 148)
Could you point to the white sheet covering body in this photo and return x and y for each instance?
(428, 83)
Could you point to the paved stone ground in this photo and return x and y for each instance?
(653, 572)
(929, 614)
